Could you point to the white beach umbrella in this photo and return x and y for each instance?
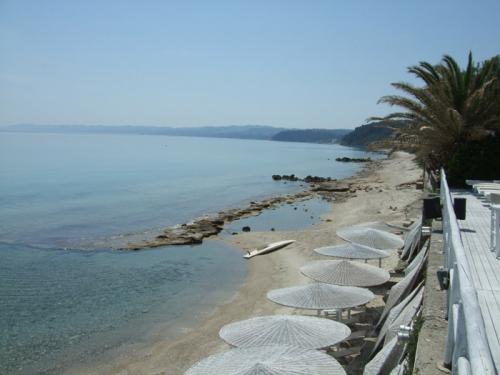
(294, 330)
(352, 251)
(418, 259)
(320, 296)
(399, 291)
(345, 272)
(380, 225)
(392, 316)
(411, 241)
(385, 360)
(405, 317)
(371, 237)
(268, 360)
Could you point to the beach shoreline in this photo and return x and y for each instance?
(210, 225)
(386, 190)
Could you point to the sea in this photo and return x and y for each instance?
(69, 296)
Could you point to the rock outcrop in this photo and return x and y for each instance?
(353, 160)
(207, 226)
(309, 179)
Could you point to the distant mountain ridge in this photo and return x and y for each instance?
(364, 135)
(242, 132)
(259, 132)
(311, 135)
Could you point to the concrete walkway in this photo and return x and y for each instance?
(432, 337)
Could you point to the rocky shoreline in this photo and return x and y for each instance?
(309, 179)
(353, 160)
(373, 193)
(194, 232)
(207, 226)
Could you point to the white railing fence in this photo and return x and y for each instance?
(467, 350)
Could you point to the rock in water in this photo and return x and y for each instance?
(353, 160)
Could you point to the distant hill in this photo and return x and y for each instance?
(364, 135)
(260, 132)
(241, 132)
(311, 135)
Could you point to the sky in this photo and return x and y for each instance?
(287, 63)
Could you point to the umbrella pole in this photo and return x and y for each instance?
(379, 262)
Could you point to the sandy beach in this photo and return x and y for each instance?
(385, 191)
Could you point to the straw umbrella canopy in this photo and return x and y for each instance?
(320, 296)
(300, 331)
(401, 290)
(392, 316)
(352, 251)
(380, 225)
(406, 316)
(345, 272)
(378, 239)
(386, 359)
(268, 360)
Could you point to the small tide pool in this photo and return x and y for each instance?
(288, 216)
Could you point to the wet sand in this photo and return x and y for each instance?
(385, 191)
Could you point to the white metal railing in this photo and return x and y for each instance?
(467, 350)
(495, 223)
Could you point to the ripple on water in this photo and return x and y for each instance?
(59, 306)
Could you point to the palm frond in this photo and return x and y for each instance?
(452, 106)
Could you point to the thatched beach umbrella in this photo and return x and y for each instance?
(380, 225)
(405, 317)
(422, 254)
(320, 296)
(294, 330)
(385, 360)
(399, 291)
(345, 272)
(392, 316)
(353, 251)
(268, 360)
(399, 315)
(412, 240)
(371, 237)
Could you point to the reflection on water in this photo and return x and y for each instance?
(95, 191)
(59, 306)
(66, 190)
(291, 216)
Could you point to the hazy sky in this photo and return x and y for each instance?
(187, 63)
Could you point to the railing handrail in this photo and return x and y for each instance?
(476, 348)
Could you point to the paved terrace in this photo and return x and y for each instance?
(483, 265)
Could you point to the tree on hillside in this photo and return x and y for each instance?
(453, 115)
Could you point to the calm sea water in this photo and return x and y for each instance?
(61, 192)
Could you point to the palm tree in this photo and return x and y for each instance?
(452, 108)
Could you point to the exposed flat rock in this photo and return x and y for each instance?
(207, 226)
(353, 160)
(333, 186)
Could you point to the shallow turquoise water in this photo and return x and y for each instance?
(80, 192)
(62, 307)
(69, 190)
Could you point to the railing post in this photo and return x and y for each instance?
(496, 209)
(463, 366)
(452, 318)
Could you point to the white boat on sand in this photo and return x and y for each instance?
(269, 248)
